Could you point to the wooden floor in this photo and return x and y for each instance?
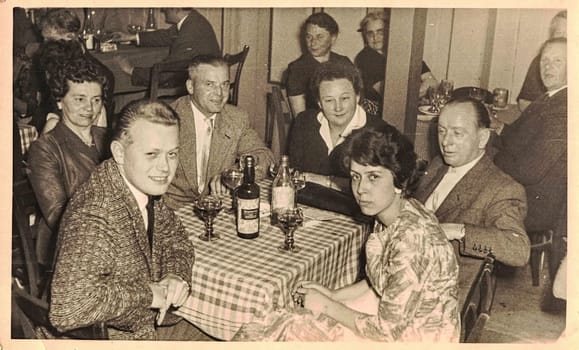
(516, 316)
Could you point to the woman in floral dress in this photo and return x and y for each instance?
(411, 290)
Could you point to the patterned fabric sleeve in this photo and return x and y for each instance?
(177, 251)
(404, 272)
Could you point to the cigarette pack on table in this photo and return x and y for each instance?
(108, 47)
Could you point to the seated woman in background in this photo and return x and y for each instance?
(411, 290)
(316, 134)
(320, 32)
(372, 59)
(63, 158)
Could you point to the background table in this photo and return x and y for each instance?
(235, 280)
(139, 57)
(28, 133)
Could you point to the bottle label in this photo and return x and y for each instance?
(247, 215)
(89, 42)
(282, 198)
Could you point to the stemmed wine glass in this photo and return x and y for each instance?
(208, 207)
(435, 97)
(289, 220)
(232, 178)
(299, 181)
(446, 88)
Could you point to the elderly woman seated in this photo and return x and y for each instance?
(411, 290)
(316, 134)
(63, 158)
(320, 32)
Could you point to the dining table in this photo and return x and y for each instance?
(235, 281)
(124, 90)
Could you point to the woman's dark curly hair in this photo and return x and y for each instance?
(384, 146)
(78, 70)
(329, 71)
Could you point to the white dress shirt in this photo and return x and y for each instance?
(450, 179)
(141, 198)
(202, 140)
(358, 121)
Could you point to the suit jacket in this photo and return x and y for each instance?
(533, 150)
(196, 37)
(105, 264)
(232, 137)
(490, 204)
(59, 162)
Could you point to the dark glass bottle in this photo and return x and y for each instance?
(88, 30)
(151, 24)
(248, 202)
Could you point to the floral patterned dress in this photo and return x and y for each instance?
(414, 272)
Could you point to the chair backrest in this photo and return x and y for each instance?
(278, 122)
(479, 301)
(239, 60)
(32, 315)
(475, 92)
(23, 205)
(168, 80)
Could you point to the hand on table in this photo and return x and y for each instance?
(122, 37)
(313, 296)
(170, 291)
(123, 63)
(216, 187)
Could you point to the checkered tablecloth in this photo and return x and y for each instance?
(28, 134)
(235, 280)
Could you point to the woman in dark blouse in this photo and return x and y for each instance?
(64, 158)
(317, 134)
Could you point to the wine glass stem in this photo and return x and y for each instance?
(209, 227)
(289, 243)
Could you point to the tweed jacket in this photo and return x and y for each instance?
(104, 263)
(232, 138)
(533, 150)
(59, 162)
(196, 37)
(490, 204)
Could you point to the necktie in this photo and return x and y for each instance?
(205, 154)
(151, 220)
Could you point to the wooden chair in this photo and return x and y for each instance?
(31, 314)
(478, 303)
(466, 91)
(23, 206)
(168, 80)
(239, 60)
(278, 122)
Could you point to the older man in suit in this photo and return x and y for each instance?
(533, 150)
(213, 136)
(190, 35)
(480, 208)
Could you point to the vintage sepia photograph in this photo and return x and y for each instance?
(263, 173)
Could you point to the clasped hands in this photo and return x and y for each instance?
(171, 291)
(312, 296)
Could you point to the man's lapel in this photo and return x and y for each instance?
(221, 141)
(434, 174)
(467, 189)
(188, 139)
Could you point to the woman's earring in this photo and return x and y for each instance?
(397, 190)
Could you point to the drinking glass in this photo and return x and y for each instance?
(446, 88)
(208, 207)
(232, 178)
(289, 220)
(299, 181)
(435, 96)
